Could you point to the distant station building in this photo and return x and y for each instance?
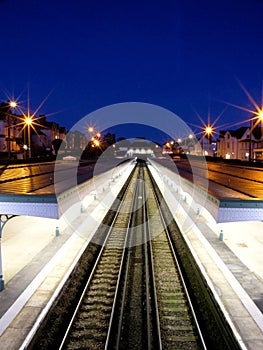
(139, 147)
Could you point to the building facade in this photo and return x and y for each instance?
(241, 144)
(14, 134)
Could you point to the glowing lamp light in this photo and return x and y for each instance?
(208, 130)
(28, 120)
(96, 143)
(90, 129)
(260, 115)
(13, 104)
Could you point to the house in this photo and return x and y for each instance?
(75, 141)
(45, 133)
(10, 132)
(240, 143)
(14, 134)
(205, 147)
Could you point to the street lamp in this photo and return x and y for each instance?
(208, 132)
(13, 104)
(28, 123)
(259, 119)
(96, 143)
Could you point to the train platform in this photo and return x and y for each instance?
(38, 257)
(229, 254)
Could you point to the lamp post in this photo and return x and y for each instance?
(12, 104)
(259, 119)
(208, 131)
(250, 141)
(28, 122)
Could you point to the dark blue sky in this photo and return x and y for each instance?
(186, 56)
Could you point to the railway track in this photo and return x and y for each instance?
(89, 325)
(135, 297)
(142, 286)
(179, 327)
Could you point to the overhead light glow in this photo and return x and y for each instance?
(208, 130)
(28, 120)
(13, 104)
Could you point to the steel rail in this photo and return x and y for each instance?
(123, 271)
(149, 281)
(152, 274)
(179, 269)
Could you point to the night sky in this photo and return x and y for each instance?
(186, 56)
